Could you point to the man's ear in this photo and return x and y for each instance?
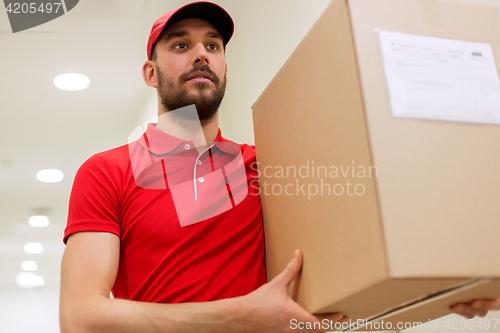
(149, 74)
(226, 74)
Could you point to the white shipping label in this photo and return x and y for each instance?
(443, 79)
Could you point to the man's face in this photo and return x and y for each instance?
(190, 67)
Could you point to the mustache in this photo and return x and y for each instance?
(200, 68)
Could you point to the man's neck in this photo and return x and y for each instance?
(211, 129)
(202, 135)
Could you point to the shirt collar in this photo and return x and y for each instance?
(160, 143)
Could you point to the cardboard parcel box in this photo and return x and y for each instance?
(378, 147)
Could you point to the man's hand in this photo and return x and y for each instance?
(478, 307)
(271, 309)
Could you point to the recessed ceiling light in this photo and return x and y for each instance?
(71, 81)
(29, 266)
(50, 175)
(33, 248)
(29, 280)
(39, 221)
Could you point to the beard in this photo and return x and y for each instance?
(173, 96)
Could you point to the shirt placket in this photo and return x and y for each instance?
(198, 164)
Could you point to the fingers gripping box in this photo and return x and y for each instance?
(378, 151)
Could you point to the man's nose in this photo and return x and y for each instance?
(200, 54)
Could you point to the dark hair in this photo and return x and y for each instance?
(153, 52)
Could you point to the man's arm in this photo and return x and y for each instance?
(88, 272)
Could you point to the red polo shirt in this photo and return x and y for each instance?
(187, 235)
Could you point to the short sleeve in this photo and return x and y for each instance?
(94, 202)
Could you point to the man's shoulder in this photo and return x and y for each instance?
(104, 171)
(247, 152)
(112, 158)
(246, 149)
(121, 151)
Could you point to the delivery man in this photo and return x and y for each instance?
(172, 266)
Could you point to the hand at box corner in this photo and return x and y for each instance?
(478, 307)
(271, 309)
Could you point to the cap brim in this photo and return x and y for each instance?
(210, 12)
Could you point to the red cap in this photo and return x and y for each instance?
(208, 11)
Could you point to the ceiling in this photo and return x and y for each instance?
(44, 127)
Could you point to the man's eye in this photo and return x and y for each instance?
(180, 46)
(212, 46)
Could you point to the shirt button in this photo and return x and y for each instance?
(187, 147)
(199, 162)
(201, 179)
